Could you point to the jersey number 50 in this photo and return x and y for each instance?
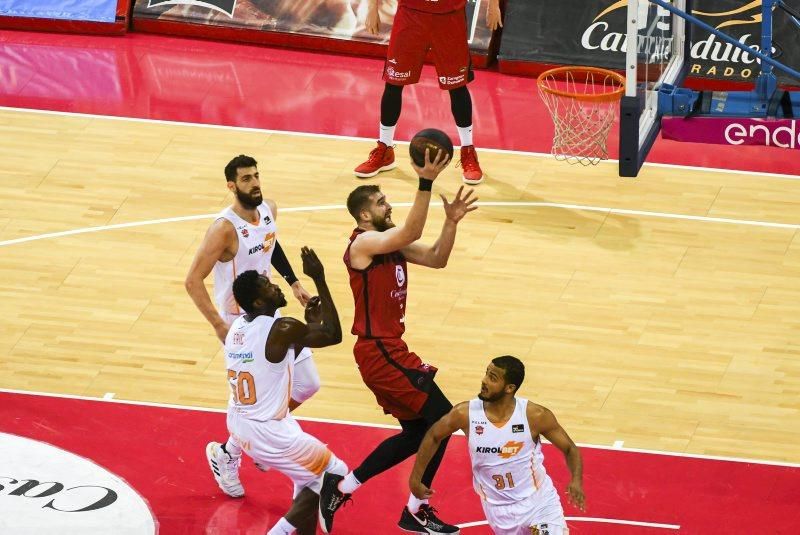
(243, 387)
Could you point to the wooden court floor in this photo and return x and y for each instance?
(671, 322)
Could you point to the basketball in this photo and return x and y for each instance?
(432, 139)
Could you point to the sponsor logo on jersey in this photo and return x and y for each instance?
(245, 356)
(517, 428)
(400, 275)
(223, 6)
(267, 220)
(269, 239)
(245, 232)
(452, 80)
(478, 429)
(238, 338)
(508, 450)
(397, 75)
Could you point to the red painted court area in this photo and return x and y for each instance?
(207, 82)
(159, 451)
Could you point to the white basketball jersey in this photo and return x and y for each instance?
(260, 389)
(506, 462)
(256, 245)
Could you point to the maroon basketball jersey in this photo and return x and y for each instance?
(433, 6)
(379, 291)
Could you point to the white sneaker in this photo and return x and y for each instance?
(225, 468)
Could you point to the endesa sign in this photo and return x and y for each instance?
(781, 133)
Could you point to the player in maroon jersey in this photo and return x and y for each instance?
(403, 385)
(420, 25)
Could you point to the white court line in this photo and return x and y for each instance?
(108, 395)
(372, 140)
(618, 444)
(512, 204)
(387, 426)
(593, 519)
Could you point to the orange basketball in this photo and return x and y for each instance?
(432, 139)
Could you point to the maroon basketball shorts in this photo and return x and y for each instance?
(398, 378)
(413, 33)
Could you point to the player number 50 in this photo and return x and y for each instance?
(243, 387)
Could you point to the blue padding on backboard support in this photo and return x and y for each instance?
(83, 10)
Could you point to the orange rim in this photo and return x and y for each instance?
(608, 96)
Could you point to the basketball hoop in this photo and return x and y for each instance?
(583, 104)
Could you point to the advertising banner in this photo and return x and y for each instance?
(74, 10)
(783, 133)
(592, 32)
(335, 19)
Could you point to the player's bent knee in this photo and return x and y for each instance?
(306, 381)
(336, 466)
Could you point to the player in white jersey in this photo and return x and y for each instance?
(504, 439)
(260, 358)
(244, 237)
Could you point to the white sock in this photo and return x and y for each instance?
(387, 135)
(283, 527)
(466, 135)
(233, 448)
(414, 503)
(349, 484)
(336, 466)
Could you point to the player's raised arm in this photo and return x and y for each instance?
(373, 243)
(292, 332)
(437, 255)
(543, 421)
(216, 241)
(457, 418)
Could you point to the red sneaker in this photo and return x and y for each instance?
(472, 173)
(381, 158)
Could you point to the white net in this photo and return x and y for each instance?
(583, 102)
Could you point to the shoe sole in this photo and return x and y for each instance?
(210, 459)
(381, 170)
(322, 522)
(427, 531)
(471, 182)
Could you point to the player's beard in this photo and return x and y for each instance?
(249, 200)
(491, 398)
(382, 223)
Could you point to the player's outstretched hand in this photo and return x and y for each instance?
(373, 22)
(312, 266)
(314, 310)
(575, 495)
(461, 206)
(493, 16)
(434, 164)
(300, 293)
(419, 490)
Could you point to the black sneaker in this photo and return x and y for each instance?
(425, 521)
(330, 499)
